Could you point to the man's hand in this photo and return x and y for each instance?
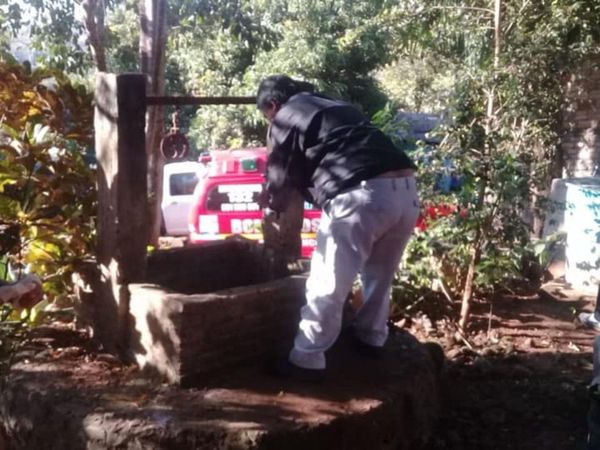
(269, 213)
(263, 199)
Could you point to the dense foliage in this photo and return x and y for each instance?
(502, 131)
(334, 45)
(47, 190)
(225, 48)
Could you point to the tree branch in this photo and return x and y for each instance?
(94, 25)
(465, 8)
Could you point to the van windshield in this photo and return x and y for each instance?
(182, 183)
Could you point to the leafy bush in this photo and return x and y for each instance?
(47, 191)
(452, 216)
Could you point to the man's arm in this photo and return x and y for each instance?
(280, 185)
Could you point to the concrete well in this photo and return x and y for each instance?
(208, 308)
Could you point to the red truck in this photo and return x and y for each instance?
(225, 200)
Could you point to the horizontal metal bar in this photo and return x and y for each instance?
(184, 100)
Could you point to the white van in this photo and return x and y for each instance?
(179, 181)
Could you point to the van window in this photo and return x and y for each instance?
(182, 183)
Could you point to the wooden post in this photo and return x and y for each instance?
(119, 122)
(282, 233)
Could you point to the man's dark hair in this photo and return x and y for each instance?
(279, 89)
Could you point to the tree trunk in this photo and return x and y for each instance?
(94, 25)
(153, 40)
(281, 233)
(467, 297)
(469, 287)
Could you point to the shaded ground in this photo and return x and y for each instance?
(96, 402)
(523, 386)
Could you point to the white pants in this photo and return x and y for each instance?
(364, 230)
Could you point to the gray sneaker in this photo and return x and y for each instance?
(589, 320)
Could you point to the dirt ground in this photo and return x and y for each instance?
(519, 383)
(523, 385)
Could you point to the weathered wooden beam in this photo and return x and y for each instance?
(119, 121)
(190, 100)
